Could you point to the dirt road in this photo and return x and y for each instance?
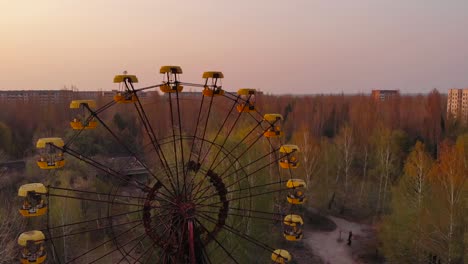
(331, 249)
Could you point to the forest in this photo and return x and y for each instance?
(400, 164)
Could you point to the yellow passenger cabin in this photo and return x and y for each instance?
(83, 118)
(281, 256)
(247, 100)
(33, 250)
(292, 225)
(171, 82)
(171, 88)
(296, 183)
(210, 92)
(289, 161)
(296, 194)
(50, 153)
(33, 204)
(213, 85)
(296, 197)
(124, 95)
(274, 129)
(125, 78)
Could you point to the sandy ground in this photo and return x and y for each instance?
(329, 247)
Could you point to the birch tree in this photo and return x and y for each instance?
(449, 209)
(345, 145)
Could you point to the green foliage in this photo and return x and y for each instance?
(405, 230)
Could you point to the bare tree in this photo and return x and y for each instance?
(11, 224)
(345, 144)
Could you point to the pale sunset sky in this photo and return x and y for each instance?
(287, 46)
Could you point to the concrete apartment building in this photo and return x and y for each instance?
(384, 95)
(56, 96)
(457, 104)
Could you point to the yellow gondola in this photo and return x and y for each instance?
(290, 161)
(296, 195)
(33, 204)
(248, 100)
(281, 256)
(33, 251)
(171, 82)
(274, 130)
(170, 69)
(82, 122)
(293, 227)
(49, 156)
(125, 96)
(296, 183)
(212, 88)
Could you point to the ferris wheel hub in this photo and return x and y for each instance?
(187, 209)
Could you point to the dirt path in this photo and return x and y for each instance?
(328, 246)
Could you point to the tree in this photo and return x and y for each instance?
(11, 224)
(407, 223)
(6, 139)
(345, 145)
(448, 211)
(310, 152)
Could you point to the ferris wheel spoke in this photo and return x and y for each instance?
(219, 131)
(174, 143)
(102, 167)
(111, 239)
(94, 200)
(106, 106)
(127, 253)
(196, 130)
(154, 229)
(117, 248)
(247, 196)
(203, 191)
(151, 248)
(148, 87)
(255, 171)
(204, 198)
(207, 256)
(198, 186)
(95, 229)
(241, 142)
(217, 242)
(238, 233)
(97, 193)
(244, 152)
(96, 219)
(152, 137)
(204, 133)
(126, 147)
(247, 216)
(222, 145)
(273, 214)
(181, 143)
(233, 96)
(204, 128)
(103, 243)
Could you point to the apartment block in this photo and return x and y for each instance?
(384, 95)
(56, 96)
(457, 104)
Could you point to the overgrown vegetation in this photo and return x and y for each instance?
(400, 164)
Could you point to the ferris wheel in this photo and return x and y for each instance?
(207, 179)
